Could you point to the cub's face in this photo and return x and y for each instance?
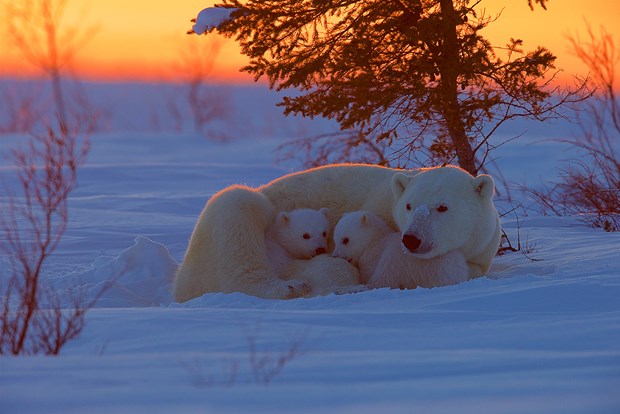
(438, 210)
(354, 232)
(303, 232)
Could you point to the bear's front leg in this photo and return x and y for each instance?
(324, 274)
(239, 217)
(289, 289)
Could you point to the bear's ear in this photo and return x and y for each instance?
(326, 212)
(484, 185)
(284, 218)
(399, 183)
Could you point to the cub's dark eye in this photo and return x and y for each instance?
(408, 207)
(324, 234)
(306, 236)
(345, 241)
(442, 208)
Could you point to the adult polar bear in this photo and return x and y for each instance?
(226, 252)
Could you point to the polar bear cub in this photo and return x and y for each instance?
(366, 241)
(297, 234)
(296, 242)
(359, 239)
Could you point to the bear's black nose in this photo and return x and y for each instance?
(320, 250)
(411, 242)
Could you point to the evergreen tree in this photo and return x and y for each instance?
(397, 70)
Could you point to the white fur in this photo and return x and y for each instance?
(325, 274)
(368, 242)
(296, 238)
(445, 209)
(227, 252)
(358, 238)
(298, 234)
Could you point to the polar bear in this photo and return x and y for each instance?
(365, 240)
(298, 234)
(226, 251)
(359, 239)
(443, 210)
(325, 275)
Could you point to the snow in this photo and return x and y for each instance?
(210, 18)
(139, 276)
(533, 336)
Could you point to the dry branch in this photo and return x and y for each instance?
(31, 226)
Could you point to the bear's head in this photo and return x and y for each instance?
(354, 232)
(303, 232)
(443, 209)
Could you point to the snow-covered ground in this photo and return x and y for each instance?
(534, 336)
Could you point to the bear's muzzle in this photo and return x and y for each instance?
(411, 242)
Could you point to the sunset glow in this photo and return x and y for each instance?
(143, 40)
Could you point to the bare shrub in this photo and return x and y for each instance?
(200, 378)
(266, 365)
(82, 114)
(54, 325)
(20, 109)
(526, 249)
(37, 28)
(31, 227)
(206, 104)
(326, 149)
(589, 186)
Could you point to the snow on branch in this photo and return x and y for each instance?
(210, 18)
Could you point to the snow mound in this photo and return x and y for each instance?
(140, 276)
(210, 18)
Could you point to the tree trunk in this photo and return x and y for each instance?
(448, 63)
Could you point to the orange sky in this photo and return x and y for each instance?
(143, 39)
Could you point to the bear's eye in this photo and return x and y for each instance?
(442, 208)
(345, 241)
(324, 234)
(408, 207)
(306, 236)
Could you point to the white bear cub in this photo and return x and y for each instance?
(366, 241)
(359, 239)
(298, 234)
